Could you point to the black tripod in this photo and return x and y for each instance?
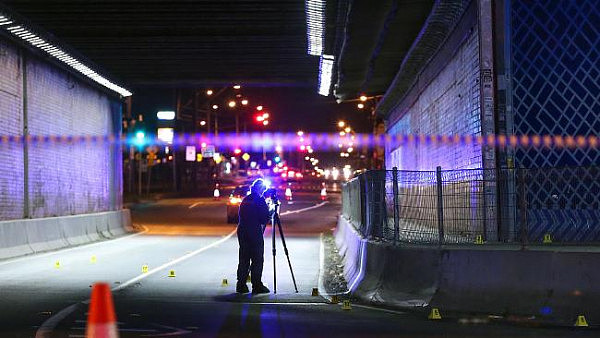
(276, 220)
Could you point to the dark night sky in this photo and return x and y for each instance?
(156, 46)
(198, 44)
(292, 108)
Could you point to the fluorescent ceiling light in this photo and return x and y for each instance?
(315, 26)
(325, 74)
(59, 54)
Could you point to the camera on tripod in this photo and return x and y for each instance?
(272, 194)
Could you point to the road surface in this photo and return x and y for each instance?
(190, 236)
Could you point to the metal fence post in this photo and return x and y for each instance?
(521, 181)
(440, 204)
(396, 213)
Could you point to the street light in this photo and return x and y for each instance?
(231, 104)
(363, 98)
(300, 133)
(209, 92)
(259, 108)
(237, 87)
(244, 102)
(360, 106)
(215, 107)
(348, 129)
(341, 124)
(202, 123)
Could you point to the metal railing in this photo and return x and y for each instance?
(527, 206)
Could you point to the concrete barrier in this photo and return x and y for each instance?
(13, 239)
(554, 286)
(27, 236)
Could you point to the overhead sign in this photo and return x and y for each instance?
(165, 115)
(165, 135)
(190, 153)
(208, 151)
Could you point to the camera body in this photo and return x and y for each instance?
(271, 193)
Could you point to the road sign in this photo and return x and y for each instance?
(190, 153)
(208, 151)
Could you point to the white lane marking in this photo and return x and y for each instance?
(173, 262)
(61, 251)
(321, 285)
(45, 330)
(379, 309)
(304, 209)
(196, 204)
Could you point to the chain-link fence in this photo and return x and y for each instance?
(555, 205)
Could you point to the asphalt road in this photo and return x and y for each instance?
(190, 236)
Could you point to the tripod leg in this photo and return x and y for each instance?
(286, 251)
(274, 253)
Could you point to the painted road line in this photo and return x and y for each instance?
(79, 247)
(171, 263)
(303, 209)
(322, 292)
(196, 204)
(45, 330)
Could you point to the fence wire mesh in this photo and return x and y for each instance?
(558, 205)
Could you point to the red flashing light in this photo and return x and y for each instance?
(259, 118)
(237, 151)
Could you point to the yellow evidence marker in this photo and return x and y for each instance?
(581, 322)
(172, 273)
(144, 268)
(224, 282)
(346, 305)
(434, 314)
(93, 259)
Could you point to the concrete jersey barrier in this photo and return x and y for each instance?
(28, 236)
(550, 285)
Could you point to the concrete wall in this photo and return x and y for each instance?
(443, 101)
(62, 179)
(11, 115)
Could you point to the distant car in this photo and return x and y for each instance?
(234, 201)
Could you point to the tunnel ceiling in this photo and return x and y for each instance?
(178, 43)
(376, 37)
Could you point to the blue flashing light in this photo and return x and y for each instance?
(277, 159)
(546, 311)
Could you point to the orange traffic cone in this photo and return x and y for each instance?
(323, 194)
(216, 192)
(102, 322)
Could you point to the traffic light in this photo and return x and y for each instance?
(140, 138)
(262, 118)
